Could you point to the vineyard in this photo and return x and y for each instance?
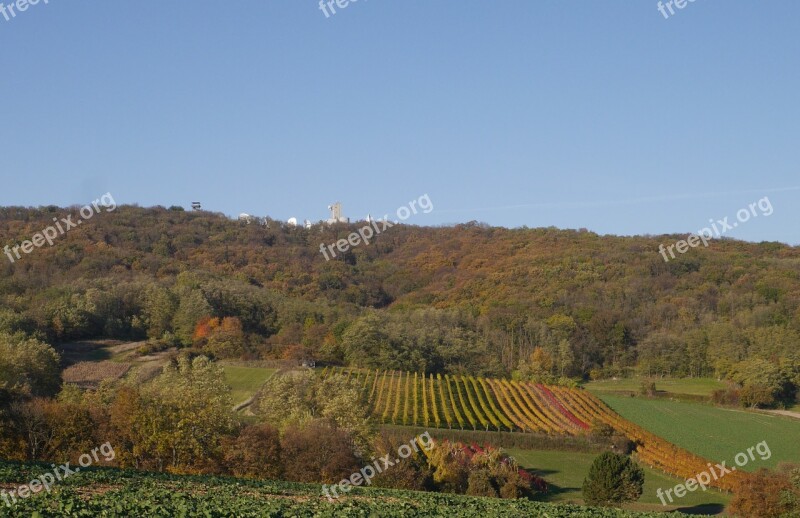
(116, 493)
(467, 402)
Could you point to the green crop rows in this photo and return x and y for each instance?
(113, 493)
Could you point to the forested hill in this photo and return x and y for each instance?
(464, 298)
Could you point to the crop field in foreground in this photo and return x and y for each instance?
(115, 493)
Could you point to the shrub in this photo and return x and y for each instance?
(727, 396)
(765, 494)
(479, 483)
(622, 444)
(604, 433)
(255, 452)
(756, 395)
(600, 429)
(412, 472)
(648, 388)
(317, 452)
(515, 487)
(613, 479)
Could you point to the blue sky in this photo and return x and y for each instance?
(601, 115)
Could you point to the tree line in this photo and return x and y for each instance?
(304, 429)
(466, 299)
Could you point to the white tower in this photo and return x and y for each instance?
(336, 214)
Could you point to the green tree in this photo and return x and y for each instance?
(192, 307)
(158, 310)
(28, 366)
(178, 421)
(287, 399)
(295, 399)
(340, 399)
(565, 357)
(365, 340)
(763, 383)
(613, 479)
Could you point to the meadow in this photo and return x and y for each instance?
(711, 432)
(565, 472)
(245, 381)
(681, 386)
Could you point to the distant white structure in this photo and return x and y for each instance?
(336, 214)
(196, 205)
(292, 222)
(307, 223)
(247, 218)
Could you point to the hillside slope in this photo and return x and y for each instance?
(468, 297)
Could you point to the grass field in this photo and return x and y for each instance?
(245, 381)
(565, 471)
(690, 386)
(715, 433)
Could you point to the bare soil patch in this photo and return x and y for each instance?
(89, 374)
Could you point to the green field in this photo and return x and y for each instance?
(565, 471)
(245, 381)
(115, 493)
(689, 386)
(714, 433)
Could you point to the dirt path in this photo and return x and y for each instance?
(787, 413)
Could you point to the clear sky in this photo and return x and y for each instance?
(602, 115)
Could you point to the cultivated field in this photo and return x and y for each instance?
(464, 401)
(715, 433)
(115, 493)
(101, 354)
(90, 374)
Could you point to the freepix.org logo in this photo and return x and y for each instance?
(11, 10)
(50, 234)
(365, 233)
(668, 6)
